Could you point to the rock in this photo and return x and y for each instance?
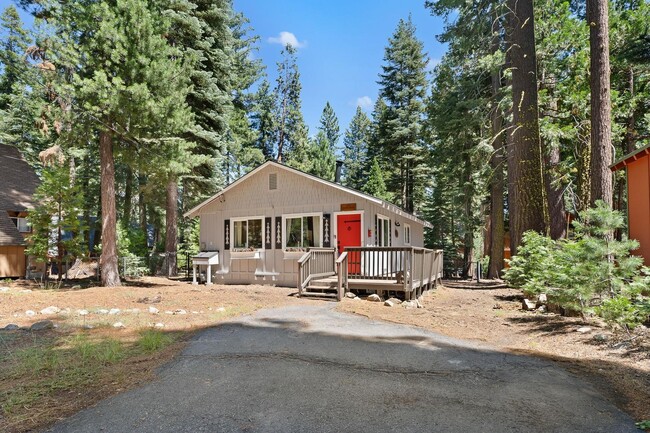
(583, 329)
(409, 304)
(51, 310)
(542, 308)
(600, 338)
(118, 325)
(180, 311)
(159, 325)
(153, 310)
(26, 291)
(220, 309)
(169, 312)
(133, 311)
(77, 287)
(87, 326)
(356, 298)
(42, 325)
(114, 311)
(395, 301)
(195, 312)
(374, 298)
(83, 312)
(388, 303)
(542, 299)
(4, 289)
(11, 327)
(147, 300)
(528, 305)
(30, 313)
(350, 295)
(102, 311)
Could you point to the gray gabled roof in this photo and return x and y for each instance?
(393, 208)
(17, 185)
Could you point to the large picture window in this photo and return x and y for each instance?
(303, 231)
(248, 233)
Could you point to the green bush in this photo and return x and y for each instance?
(592, 270)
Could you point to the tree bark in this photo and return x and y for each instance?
(171, 225)
(601, 129)
(128, 197)
(497, 225)
(108, 260)
(530, 212)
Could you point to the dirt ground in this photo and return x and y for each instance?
(618, 364)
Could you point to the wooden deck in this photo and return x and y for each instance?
(409, 270)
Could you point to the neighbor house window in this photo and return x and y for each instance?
(22, 224)
(303, 231)
(383, 231)
(247, 233)
(407, 234)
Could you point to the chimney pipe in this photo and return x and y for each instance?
(337, 175)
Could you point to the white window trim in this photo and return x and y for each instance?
(232, 235)
(407, 240)
(17, 223)
(379, 218)
(292, 254)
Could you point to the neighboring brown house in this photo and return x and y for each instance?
(637, 164)
(18, 181)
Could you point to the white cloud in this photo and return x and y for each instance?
(287, 38)
(364, 102)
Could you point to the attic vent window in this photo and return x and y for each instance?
(273, 181)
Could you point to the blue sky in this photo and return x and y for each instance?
(340, 46)
(343, 44)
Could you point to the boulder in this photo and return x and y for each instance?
(30, 313)
(542, 299)
(350, 295)
(153, 310)
(356, 298)
(102, 311)
(11, 327)
(542, 308)
(42, 325)
(409, 304)
(374, 298)
(395, 301)
(77, 287)
(601, 338)
(4, 289)
(51, 310)
(583, 329)
(388, 303)
(83, 312)
(118, 325)
(528, 305)
(114, 311)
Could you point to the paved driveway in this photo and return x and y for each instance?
(311, 369)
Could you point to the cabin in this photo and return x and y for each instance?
(279, 226)
(637, 165)
(18, 181)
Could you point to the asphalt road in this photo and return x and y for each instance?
(311, 369)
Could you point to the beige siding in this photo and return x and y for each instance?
(12, 261)
(295, 194)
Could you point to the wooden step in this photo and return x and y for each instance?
(323, 284)
(319, 295)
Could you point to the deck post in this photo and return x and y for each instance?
(433, 259)
(194, 275)
(208, 276)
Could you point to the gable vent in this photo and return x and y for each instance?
(273, 181)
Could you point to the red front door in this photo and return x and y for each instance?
(348, 234)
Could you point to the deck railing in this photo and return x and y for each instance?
(315, 263)
(413, 268)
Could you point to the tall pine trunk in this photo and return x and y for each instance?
(601, 129)
(128, 198)
(497, 226)
(529, 212)
(171, 227)
(108, 260)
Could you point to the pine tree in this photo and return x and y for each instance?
(14, 41)
(329, 124)
(55, 222)
(321, 156)
(264, 119)
(376, 185)
(355, 150)
(403, 87)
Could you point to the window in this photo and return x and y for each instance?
(303, 231)
(383, 231)
(247, 234)
(407, 234)
(273, 181)
(22, 224)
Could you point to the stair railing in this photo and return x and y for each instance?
(315, 263)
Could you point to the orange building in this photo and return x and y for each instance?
(637, 164)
